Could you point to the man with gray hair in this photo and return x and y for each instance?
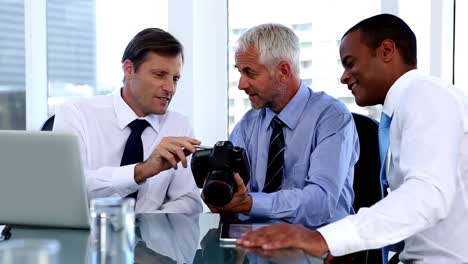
(302, 145)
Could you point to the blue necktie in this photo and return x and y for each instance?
(384, 142)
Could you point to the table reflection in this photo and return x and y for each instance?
(166, 238)
(212, 252)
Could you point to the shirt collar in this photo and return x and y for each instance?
(394, 93)
(125, 114)
(292, 111)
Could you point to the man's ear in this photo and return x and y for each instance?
(387, 50)
(284, 70)
(128, 69)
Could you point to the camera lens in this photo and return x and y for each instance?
(219, 188)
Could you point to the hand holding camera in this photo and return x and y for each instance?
(241, 201)
(169, 152)
(214, 170)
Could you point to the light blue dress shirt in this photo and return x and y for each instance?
(322, 148)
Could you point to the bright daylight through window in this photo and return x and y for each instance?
(74, 48)
(85, 42)
(320, 27)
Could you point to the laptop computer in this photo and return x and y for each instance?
(41, 180)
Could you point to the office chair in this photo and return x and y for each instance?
(366, 185)
(48, 124)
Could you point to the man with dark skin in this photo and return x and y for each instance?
(427, 172)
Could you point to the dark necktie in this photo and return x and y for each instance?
(133, 152)
(275, 166)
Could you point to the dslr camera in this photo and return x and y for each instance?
(213, 170)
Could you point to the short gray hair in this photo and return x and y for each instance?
(274, 42)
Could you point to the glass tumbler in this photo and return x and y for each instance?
(112, 230)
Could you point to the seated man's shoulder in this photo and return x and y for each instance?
(322, 102)
(89, 103)
(79, 111)
(431, 91)
(249, 119)
(252, 115)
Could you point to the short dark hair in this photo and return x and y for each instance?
(151, 39)
(376, 29)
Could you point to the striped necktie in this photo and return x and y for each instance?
(274, 174)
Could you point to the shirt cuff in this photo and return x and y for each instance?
(262, 204)
(341, 237)
(123, 180)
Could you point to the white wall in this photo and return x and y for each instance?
(202, 93)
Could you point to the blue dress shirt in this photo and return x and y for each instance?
(322, 148)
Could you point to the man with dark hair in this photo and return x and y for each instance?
(423, 141)
(131, 145)
(382, 27)
(152, 39)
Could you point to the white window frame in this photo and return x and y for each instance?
(35, 37)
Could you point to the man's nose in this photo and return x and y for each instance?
(170, 86)
(344, 77)
(243, 83)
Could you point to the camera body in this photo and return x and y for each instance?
(213, 170)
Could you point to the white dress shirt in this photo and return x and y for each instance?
(101, 126)
(428, 176)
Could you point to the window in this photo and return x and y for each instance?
(32, 27)
(329, 25)
(306, 64)
(12, 66)
(246, 103)
(86, 40)
(302, 27)
(305, 45)
(71, 50)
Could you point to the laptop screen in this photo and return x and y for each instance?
(42, 180)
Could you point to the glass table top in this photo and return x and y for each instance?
(167, 238)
